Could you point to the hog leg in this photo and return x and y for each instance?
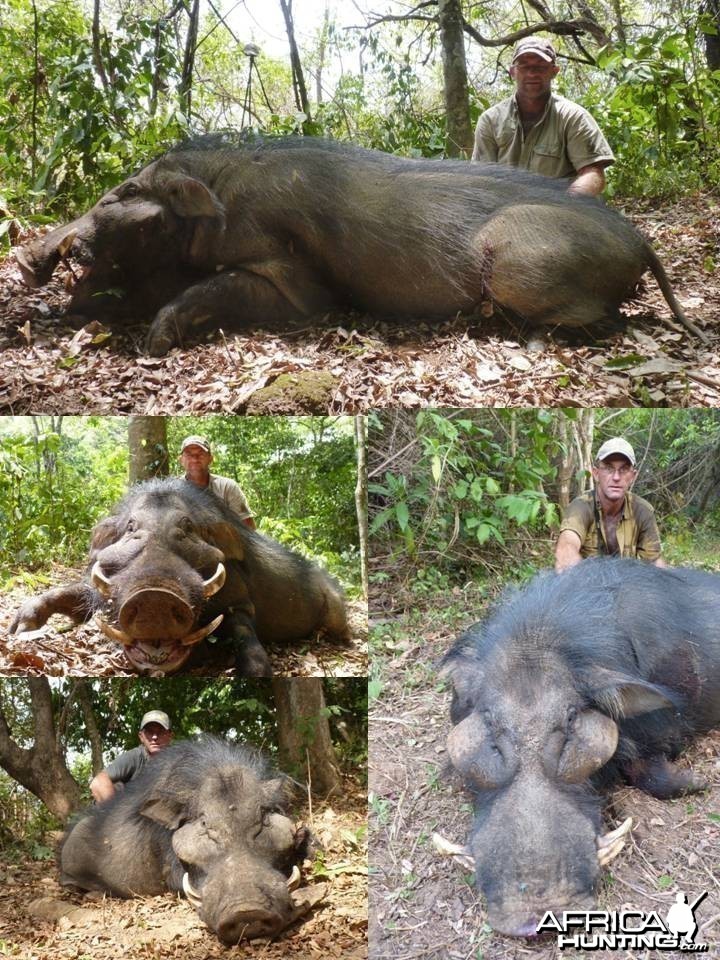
(560, 265)
(268, 291)
(661, 778)
(76, 600)
(250, 658)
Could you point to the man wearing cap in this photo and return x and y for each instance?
(539, 130)
(609, 520)
(155, 734)
(195, 458)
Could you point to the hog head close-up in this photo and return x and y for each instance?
(207, 819)
(582, 678)
(172, 565)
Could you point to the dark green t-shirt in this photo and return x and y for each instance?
(128, 765)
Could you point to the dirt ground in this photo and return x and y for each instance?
(425, 906)
(355, 363)
(40, 921)
(61, 649)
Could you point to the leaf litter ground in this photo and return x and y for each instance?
(355, 363)
(61, 649)
(41, 921)
(425, 906)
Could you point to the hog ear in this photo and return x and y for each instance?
(278, 791)
(189, 197)
(104, 533)
(591, 743)
(225, 537)
(622, 696)
(164, 809)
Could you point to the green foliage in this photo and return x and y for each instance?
(54, 486)
(659, 106)
(464, 488)
(88, 134)
(58, 478)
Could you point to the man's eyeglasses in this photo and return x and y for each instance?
(623, 469)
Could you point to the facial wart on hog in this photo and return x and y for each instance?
(233, 230)
(172, 565)
(598, 674)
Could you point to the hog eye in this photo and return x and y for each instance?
(129, 189)
(131, 526)
(186, 525)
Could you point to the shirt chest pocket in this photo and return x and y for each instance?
(552, 149)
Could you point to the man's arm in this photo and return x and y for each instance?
(485, 147)
(590, 180)
(567, 550)
(101, 787)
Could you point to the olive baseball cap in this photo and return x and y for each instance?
(156, 716)
(196, 441)
(542, 48)
(616, 445)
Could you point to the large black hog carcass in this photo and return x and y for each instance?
(205, 818)
(229, 229)
(173, 565)
(602, 672)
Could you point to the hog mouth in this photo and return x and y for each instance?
(522, 918)
(247, 918)
(150, 654)
(154, 622)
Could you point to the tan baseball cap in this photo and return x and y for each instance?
(537, 45)
(196, 441)
(156, 716)
(616, 445)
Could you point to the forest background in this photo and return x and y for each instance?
(60, 475)
(464, 502)
(91, 91)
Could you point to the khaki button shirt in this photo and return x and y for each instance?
(229, 491)
(637, 531)
(564, 139)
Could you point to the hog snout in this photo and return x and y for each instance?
(248, 920)
(35, 269)
(156, 613)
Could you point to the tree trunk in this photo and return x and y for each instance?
(97, 53)
(301, 97)
(41, 768)
(566, 468)
(147, 441)
(185, 86)
(81, 692)
(455, 83)
(711, 10)
(361, 498)
(304, 733)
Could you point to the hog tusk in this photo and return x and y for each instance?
(202, 632)
(190, 892)
(294, 880)
(215, 582)
(621, 831)
(100, 581)
(113, 633)
(66, 243)
(610, 845)
(447, 849)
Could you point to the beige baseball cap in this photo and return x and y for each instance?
(195, 441)
(537, 45)
(616, 445)
(156, 716)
